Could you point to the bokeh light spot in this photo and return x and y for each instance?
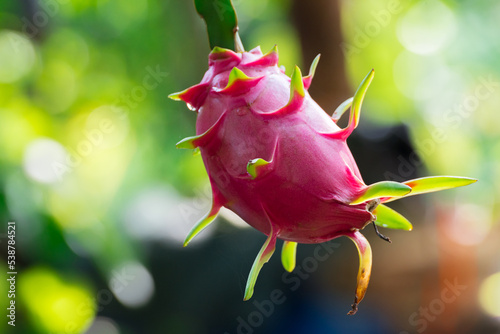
(440, 27)
(103, 325)
(132, 284)
(107, 126)
(45, 160)
(421, 78)
(470, 224)
(489, 295)
(161, 214)
(55, 304)
(17, 56)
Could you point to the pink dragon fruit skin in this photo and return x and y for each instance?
(276, 159)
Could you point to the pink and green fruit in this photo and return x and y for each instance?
(276, 159)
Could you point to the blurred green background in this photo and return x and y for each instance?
(102, 200)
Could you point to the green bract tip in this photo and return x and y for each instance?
(296, 84)
(236, 74)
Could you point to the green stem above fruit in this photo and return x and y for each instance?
(222, 23)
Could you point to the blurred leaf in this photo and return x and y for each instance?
(222, 24)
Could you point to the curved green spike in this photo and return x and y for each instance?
(365, 267)
(388, 218)
(264, 255)
(296, 84)
(341, 109)
(254, 167)
(356, 104)
(288, 254)
(297, 96)
(359, 97)
(431, 184)
(188, 94)
(202, 223)
(274, 50)
(177, 95)
(236, 74)
(314, 64)
(193, 96)
(189, 142)
(382, 189)
(196, 141)
(312, 71)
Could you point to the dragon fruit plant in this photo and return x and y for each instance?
(276, 159)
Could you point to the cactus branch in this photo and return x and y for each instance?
(222, 23)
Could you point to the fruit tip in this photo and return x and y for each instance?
(354, 309)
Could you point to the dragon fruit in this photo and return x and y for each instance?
(276, 159)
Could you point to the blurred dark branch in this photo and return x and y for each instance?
(318, 25)
(29, 9)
